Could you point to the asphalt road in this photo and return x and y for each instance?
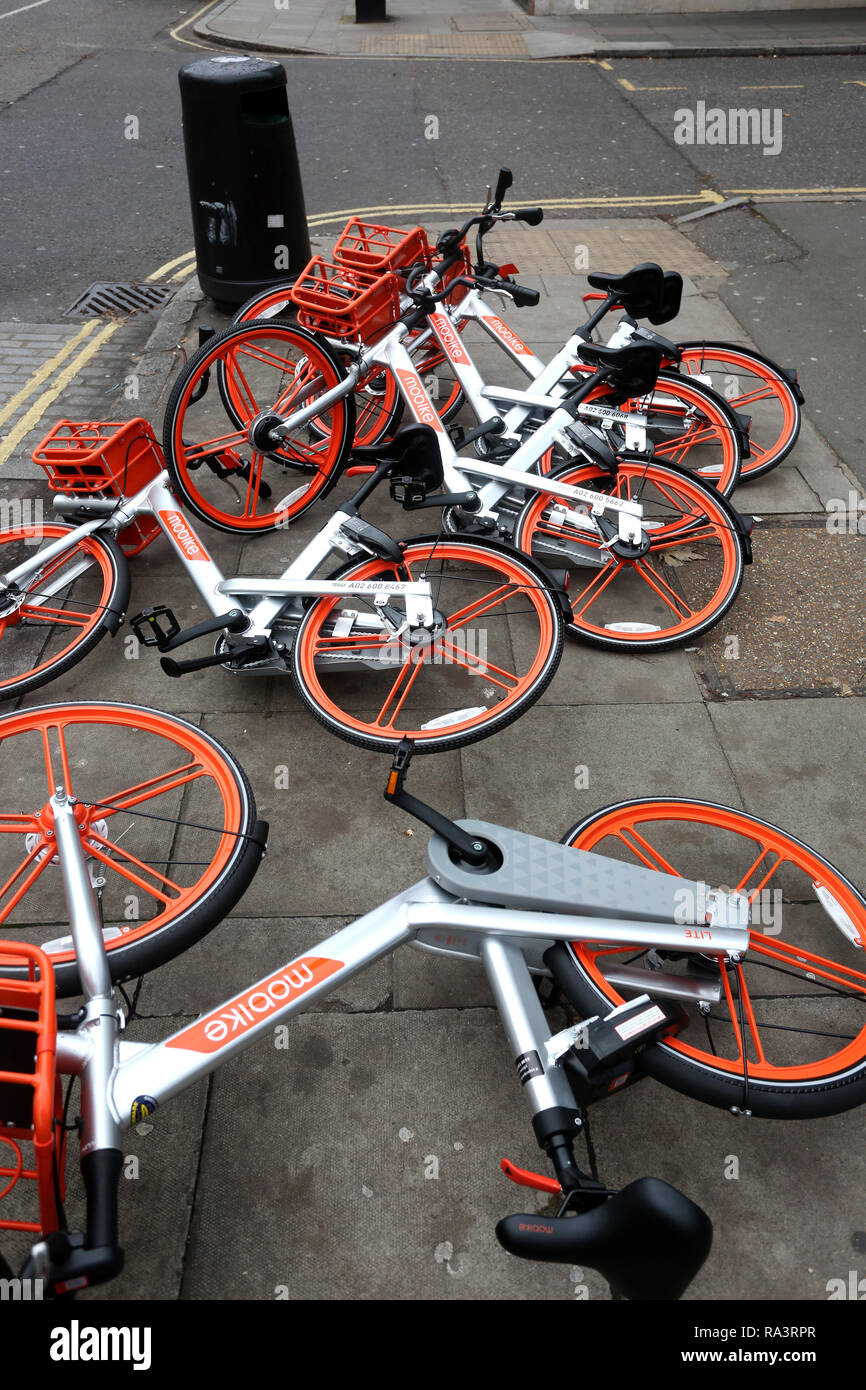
(82, 202)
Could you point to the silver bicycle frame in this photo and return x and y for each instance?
(115, 1074)
(261, 599)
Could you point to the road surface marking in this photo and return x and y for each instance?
(35, 6)
(175, 32)
(630, 87)
(47, 368)
(29, 421)
(170, 265)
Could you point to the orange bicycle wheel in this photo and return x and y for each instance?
(53, 618)
(689, 425)
(680, 587)
(786, 1035)
(167, 823)
(496, 643)
(263, 366)
(755, 386)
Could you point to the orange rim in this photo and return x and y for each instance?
(311, 374)
(490, 603)
(55, 615)
(696, 520)
(765, 448)
(376, 399)
(767, 853)
(712, 430)
(196, 758)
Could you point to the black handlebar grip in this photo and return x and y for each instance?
(531, 216)
(523, 297)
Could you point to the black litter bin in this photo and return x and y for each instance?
(248, 214)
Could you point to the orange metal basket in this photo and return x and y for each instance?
(367, 246)
(30, 1094)
(345, 303)
(104, 459)
(461, 267)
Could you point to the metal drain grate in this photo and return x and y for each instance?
(115, 300)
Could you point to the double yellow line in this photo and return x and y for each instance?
(68, 362)
(75, 354)
(87, 342)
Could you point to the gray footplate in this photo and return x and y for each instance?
(541, 876)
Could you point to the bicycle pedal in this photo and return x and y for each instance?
(146, 626)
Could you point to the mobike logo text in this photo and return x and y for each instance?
(191, 547)
(233, 1019)
(419, 400)
(536, 1229)
(448, 338)
(505, 335)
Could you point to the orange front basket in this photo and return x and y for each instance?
(105, 459)
(30, 1096)
(367, 246)
(345, 303)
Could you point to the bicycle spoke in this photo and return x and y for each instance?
(669, 596)
(61, 617)
(606, 576)
(646, 852)
(751, 869)
(806, 961)
(93, 847)
(39, 866)
(213, 446)
(758, 394)
(146, 791)
(480, 606)
(478, 666)
(414, 668)
(253, 484)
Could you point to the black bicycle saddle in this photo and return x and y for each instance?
(639, 290)
(414, 449)
(633, 368)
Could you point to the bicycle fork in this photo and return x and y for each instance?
(66, 1260)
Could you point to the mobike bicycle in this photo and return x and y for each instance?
(665, 974)
(439, 638)
(650, 587)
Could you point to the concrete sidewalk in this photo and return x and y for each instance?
(363, 1162)
(503, 29)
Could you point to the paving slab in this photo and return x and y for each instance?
(557, 765)
(336, 846)
(798, 763)
(333, 1146)
(775, 1237)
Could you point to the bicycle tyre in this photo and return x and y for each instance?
(687, 1069)
(112, 601)
(197, 907)
(495, 557)
(324, 467)
(761, 460)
